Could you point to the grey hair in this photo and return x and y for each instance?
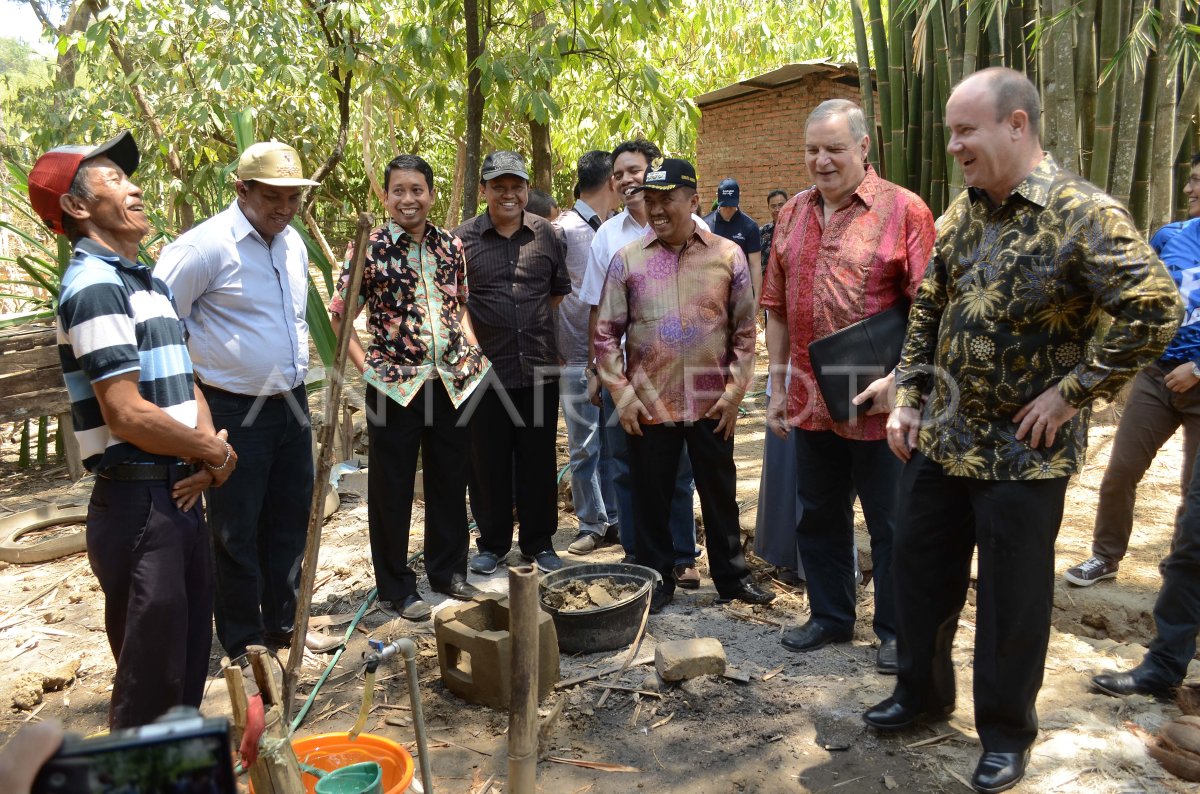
(840, 107)
(82, 190)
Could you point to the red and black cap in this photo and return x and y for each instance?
(55, 170)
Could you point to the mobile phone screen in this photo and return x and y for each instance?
(197, 764)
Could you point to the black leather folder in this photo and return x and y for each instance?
(847, 361)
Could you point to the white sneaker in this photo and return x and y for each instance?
(1090, 571)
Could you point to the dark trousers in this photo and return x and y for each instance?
(431, 425)
(1177, 610)
(829, 471)
(1152, 415)
(155, 568)
(940, 521)
(514, 431)
(259, 517)
(654, 461)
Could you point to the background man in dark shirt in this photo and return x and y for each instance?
(728, 221)
(516, 266)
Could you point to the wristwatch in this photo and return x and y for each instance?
(1195, 370)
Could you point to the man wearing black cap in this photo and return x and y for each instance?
(728, 221)
(681, 298)
(516, 266)
(142, 427)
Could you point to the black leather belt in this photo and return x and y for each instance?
(145, 471)
(278, 396)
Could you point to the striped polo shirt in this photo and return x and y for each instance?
(114, 317)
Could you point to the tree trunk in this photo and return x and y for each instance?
(474, 131)
(453, 218)
(1129, 99)
(883, 77)
(1085, 82)
(1106, 95)
(866, 96)
(1060, 127)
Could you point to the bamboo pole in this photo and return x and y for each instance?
(1139, 195)
(866, 95)
(522, 711)
(894, 151)
(970, 55)
(882, 78)
(1129, 120)
(1085, 82)
(312, 545)
(912, 136)
(1106, 95)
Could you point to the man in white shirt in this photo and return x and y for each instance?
(591, 478)
(630, 161)
(240, 280)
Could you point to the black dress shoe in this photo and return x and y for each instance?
(660, 598)
(748, 592)
(1137, 681)
(892, 716)
(459, 588)
(887, 660)
(412, 608)
(999, 771)
(812, 635)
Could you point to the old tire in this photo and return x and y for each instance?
(14, 526)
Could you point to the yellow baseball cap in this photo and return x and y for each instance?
(272, 163)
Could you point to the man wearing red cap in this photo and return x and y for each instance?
(240, 280)
(142, 427)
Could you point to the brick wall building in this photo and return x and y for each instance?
(753, 130)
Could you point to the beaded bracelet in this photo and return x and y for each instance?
(228, 455)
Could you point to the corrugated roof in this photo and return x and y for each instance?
(774, 79)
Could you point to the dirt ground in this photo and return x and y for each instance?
(780, 722)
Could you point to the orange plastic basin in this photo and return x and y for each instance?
(332, 751)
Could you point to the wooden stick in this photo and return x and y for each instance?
(637, 643)
(523, 689)
(312, 545)
(593, 675)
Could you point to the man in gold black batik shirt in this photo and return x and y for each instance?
(1026, 262)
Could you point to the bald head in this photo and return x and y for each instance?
(1010, 91)
(993, 118)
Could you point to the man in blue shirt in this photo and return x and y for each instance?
(728, 221)
(1177, 609)
(240, 280)
(1163, 397)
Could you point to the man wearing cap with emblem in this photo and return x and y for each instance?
(240, 281)
(142, 426)
(728, 221)
(682, 299)
(516, 265)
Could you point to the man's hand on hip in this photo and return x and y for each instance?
(725, 412)
(1041, 418)
(631, 415)
(903, 427)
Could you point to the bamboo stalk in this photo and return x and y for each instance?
(1162, 186)
(928, 98)
(912, 138)
(866, 95)
(1129, 119)
(896, 85)
(882, 77)
(522, 711)
(1106, 95)
(995, 37)
(312, 544)
(971, 36)
(1139, 196)
(1085, 82)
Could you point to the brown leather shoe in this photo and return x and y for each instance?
(317, 642)
(687, 577)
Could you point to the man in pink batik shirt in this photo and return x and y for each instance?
(852, 246)
(682, 298)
